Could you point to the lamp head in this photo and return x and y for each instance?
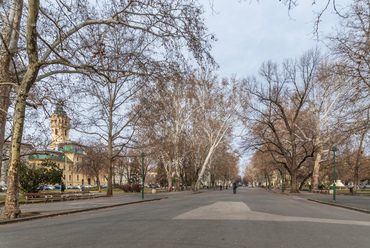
(143, 154)
(334, 149)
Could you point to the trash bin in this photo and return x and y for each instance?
(154, 191)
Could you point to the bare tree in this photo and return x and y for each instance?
(94, 163)
(282, 103)
(349, 46)
(219, 104)
(173, 22)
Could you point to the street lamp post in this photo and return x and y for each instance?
(334, 149)
(142, 175)
(283, 179)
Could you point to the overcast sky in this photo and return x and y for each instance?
(251, 33)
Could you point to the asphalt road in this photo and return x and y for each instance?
(251, 218)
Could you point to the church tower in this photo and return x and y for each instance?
(60, 125)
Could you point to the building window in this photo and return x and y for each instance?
(70, 177)
(64, 167)
(56, 131)
(69, 167)
(78, 178)
(58, 166)
(64, 177)
(65, 132)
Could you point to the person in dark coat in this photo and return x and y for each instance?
(234, 188)
(62, 188)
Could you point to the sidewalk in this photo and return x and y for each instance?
(45, 210)
(354, 202)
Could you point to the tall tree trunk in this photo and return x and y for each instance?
(11, 209)
(4, 106)
(110, 166)
(355, 182)
(358, 159)
(304, 181)
(293, 186)
(9, 45)
(110, 150)
(167, 169)
(316, 169)
(205, 164)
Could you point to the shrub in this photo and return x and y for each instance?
(119, 187)
(126, 188)
(136, 187)
(46, 173)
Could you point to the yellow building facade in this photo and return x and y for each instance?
(65, 153)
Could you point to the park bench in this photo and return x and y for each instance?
(159, 190)
(45, 197)
(38, 197)
(321, 191)
(78, 195)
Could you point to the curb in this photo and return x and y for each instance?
(75, 211)
(329, 203)
(341, 206)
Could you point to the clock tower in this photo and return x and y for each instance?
(60, 125)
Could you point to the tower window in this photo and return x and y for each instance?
(70, 177)
(65, 132)
(56, 131)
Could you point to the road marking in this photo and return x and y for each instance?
(241, 211)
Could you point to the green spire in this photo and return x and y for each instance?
(59, 109)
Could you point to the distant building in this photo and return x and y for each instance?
(64, 152)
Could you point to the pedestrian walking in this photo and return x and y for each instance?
(220, 187)
(234, 188)
(62, 188)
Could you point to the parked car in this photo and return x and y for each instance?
(3, 188)
(49, 187)
(41, 187)
(57, 186)
(69, 186)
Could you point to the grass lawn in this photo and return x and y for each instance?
(359, 191)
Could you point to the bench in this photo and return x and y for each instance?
(321, 191)
(161, 190)
(78, 195)
(38, 197)
(45, 197)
